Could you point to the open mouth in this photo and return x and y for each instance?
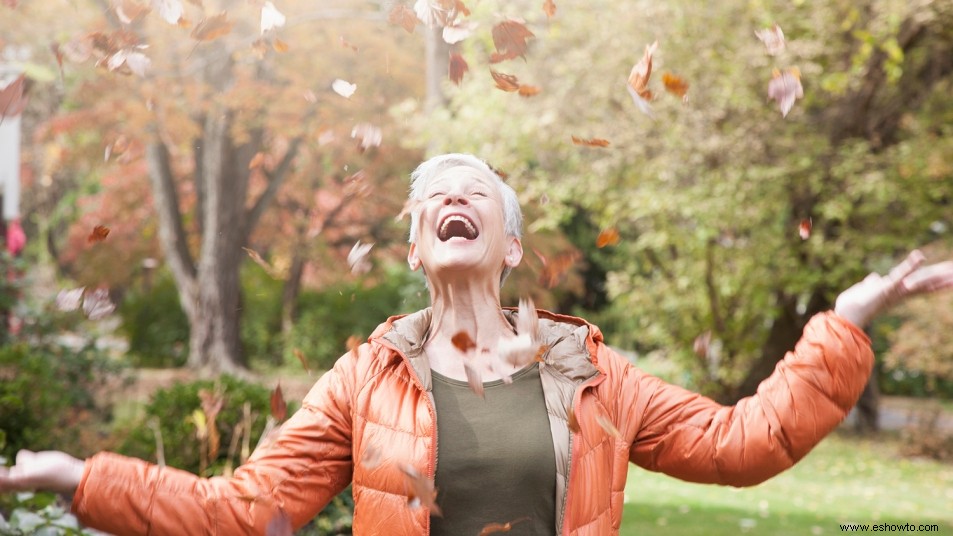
(456, 225)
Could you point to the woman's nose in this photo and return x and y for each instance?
(455, 199)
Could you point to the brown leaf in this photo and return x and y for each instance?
(463, 341)
(785, 88)
(279, 46)
(211, 28)
(573, 423)
(421, 492)
(608, 426)
(528, 91)
(506, 82)
(675, 84)
(257, 160)
(591, 142)
(279, 410)
(773, 39)
(509, 37)
(491, 528)
(403, 16)
(98, 234)
(301, 357)
(128, 11)
(637, 83)
(353, 343)
(458, 67)
(701, 344)
(607, 237)
(549, 7)
(804, 229)
(554, 269)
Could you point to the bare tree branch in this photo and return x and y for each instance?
(275, 180)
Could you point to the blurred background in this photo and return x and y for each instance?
(202, 200)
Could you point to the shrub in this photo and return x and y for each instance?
(155, 325)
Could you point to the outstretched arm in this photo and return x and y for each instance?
(48, 470)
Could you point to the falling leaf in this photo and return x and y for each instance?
(571, 420)
(271, 18)
(674, 84)
(437, 13)
(506, 82)
(509, 37)
(463, 341)
(170, 10)
(368, 135)
(98, 234)
(527, 320)
(607, 237)
(637, 83)
(458, 67)
(69, 300)
(458, 31)
(701, 344)
(785, 87)
(403, 16)
(353, 343)
(590, 142)
(474, 378)
(257, 160)
(78, 49)
(279, 410)
(304, 360)
(528, 91)
(58, 54)
(269, 269)
(279, 45)
(343, 88)
(422, 493)
(128, 11)
(549, 7)
(608, 426)
(372, 457)
(97, 305)
(773, 39)
(410, 206)
(212, 28)
(358, 260)
(136, 62)
(347, 44)
(804, 229)
(554, 269)
(490, 528)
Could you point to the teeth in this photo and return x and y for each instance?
(470, 228)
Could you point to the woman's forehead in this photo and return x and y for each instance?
(462, 173)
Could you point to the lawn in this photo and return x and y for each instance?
(844, 480)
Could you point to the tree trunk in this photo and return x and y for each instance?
(438, 65)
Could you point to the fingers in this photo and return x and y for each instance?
(907, 267)
(932, 278)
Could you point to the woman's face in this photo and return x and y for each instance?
(461, 225)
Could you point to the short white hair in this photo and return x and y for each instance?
(432, 167)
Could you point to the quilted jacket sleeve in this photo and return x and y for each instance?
(289, 479)
(693, 438)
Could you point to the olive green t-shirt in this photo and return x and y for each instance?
(495, 459)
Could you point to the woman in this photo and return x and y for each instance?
(516, 417)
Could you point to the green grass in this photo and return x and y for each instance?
(844, 480)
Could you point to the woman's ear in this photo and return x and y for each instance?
(412, 259)
(514, 253)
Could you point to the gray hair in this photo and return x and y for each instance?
(431, 168)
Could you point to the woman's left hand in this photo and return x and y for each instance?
(876, 293)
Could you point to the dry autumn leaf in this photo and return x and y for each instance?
(257, 160)
(372, 457)
(474, 377)
(590, 142)
(271, 18)
(509, 37)
(301, 357)
(410, 206)
(701, 344)
(352, 344)
(69, 300)
(458, 67)
(674, 84)
(279, 409)
(463, 341)
(638, 81)
(279, 46)
(608, 426)
(571, 420)
(549, 7)
(358, 259)
(280, 525)
(98, 234)
(403, 16)
(773, 39)
(554, 269)
(785, 88)
(170, 10)
(804, 229)
(97, 305)
(421, 492)
(458, 31)
(528, 91)
(269, 269)
(347, 44)
(211, 28)
(607, 237)
(491, 528)
(367, 135)
(129, 11)
(506, 82)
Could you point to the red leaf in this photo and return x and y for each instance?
(804, 229)
(785, 87)
(213, 27)
(304, 360)
(509, 37)
(490, 528)
(279, 410)
(607, 237)
(403, 16)
(675, 84)
(458, 67)
(506, 82)
(591, 142)
(98, 234)
(463, 341)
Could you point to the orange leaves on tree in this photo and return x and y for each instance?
(421, 492)
(785, 88)
(458, 67)
(509, 37)
(675, 85)
(590, 142)
(510, 83)
(804, 228)
(98, 234)
(773, 39)
(607, 237)
(279, 409)
(492, 528)
(549, 7)
(638, 81)
(211, 28)
(403, 16)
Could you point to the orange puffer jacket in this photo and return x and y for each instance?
(377, 400)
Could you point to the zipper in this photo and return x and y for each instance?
(435, 451)
(576, 397)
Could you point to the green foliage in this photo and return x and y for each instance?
(328, 317)
(172, 409)
(37, 514)
(261, 316)
(155, 325)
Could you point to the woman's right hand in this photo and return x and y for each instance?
(49, 470)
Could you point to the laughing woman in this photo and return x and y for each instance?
(528, 419)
